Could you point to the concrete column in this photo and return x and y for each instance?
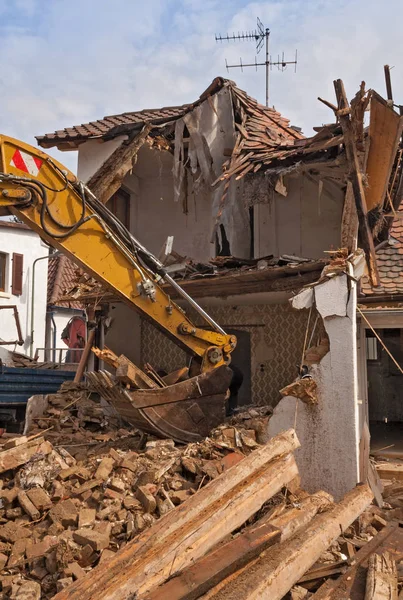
(329, 431)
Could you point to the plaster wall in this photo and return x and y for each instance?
(92, 154)
(329, 432)
(155, 214)
(29, 244)
(305, 222)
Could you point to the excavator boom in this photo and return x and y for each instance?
(63, 211)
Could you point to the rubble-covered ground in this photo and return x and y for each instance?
(82, 484)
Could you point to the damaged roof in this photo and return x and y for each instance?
(62, 274)
(115, 125)
(389, 257)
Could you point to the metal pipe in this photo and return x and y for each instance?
(52, 318)
(193, 303)
(53, 255)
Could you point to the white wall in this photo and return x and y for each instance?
(305, 222)
(16, 238)
(92, 154)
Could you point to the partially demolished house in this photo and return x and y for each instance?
(225, 177)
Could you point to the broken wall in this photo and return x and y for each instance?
(305, 222)
(276, 338)
(329, 430)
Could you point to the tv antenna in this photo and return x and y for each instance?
(260, 35)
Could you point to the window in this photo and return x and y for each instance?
(372, 348)
(18, 269)
(119, 204)
(3, 264)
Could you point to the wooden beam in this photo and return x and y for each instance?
(217, 565)
(84, 356)
(290, 522)
(356, 181)
(225, 560)
(278, 569)
(390, 470)
(108, 179)
(381, 578)
(193, 528)
(128, 373)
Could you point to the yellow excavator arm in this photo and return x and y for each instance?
(62, 210)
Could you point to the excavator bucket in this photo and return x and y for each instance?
(185, 412)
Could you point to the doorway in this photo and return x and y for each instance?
(241, 358)
(385, 390)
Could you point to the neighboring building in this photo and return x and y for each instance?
(61, 276)
(23, 285)
(228, 176)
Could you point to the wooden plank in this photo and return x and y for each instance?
(289, 522)
(349, 221)
(390, 471)
(127, 372)
(277, 570)
(15, 457)
(193, 528)
(357, 182)
(217, 565)
(385, 129)
(108, 178)
(203, 575)
(381, 578)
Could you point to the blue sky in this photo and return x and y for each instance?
(65, 62)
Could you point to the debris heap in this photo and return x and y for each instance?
(89, 509)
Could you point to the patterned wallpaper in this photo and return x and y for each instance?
(277, 336)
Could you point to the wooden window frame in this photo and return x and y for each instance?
(3, 268)
(123, 193)
(17, 279)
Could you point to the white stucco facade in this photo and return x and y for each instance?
(17, 238)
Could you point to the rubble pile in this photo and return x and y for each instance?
(81, 487)
(82, 498)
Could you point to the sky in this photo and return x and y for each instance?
(66, 62)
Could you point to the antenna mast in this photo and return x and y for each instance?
(260, 35)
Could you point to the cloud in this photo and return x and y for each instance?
(67, 61)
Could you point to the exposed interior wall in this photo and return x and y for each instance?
(25, 242)
(329, 431)
(276, 336)
(155, 214)
(305, 222)
(123, 335)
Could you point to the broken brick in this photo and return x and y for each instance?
(64, 512)
(86, 517)
(28, 506)
(146, 498)
(105, 468)
(39, 498)
(112, 494)
(74, 570)
(41, 548)
(95, 539)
